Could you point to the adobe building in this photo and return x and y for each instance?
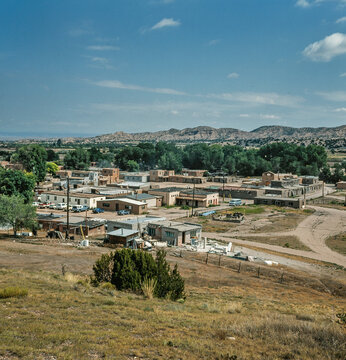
(341, 185)
(295, 203)
(160, 175)
(133, 206)
(121, 237)
(168, 194)
(197, 198)
(174, 233)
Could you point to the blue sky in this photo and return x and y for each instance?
(88, 67)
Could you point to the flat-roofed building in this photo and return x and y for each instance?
(197, 198)
(168, 194)
(121, 237)
(76, 198)
(174, 233)
(133, 206)
(296, 203)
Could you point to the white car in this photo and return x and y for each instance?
(35, 203)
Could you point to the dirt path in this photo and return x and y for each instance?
(312, 232)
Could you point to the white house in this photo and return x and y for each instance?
(57, 197)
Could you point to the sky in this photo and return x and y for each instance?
(90, 67)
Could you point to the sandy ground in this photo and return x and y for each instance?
(312, 232)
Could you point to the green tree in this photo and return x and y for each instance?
(132, 165)
(16, 182)
(52, 168)
(14, 212)
(33, 158)
(127, 269)
(52, 155)
(77, 159)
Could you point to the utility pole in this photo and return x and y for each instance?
(86, 224)
(67, 236)
(223, 185)
(193, 198)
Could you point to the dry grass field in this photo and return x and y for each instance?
(227, 315)
(337, 243)
(288, 241)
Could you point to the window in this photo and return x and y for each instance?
(85, 201)
(170, 234)
(151, 232)
(105, 204)
(47, 197)
(54, 197)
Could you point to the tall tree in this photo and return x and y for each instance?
(16, 182)
(77, 159)
(14, 212)
(33, 158)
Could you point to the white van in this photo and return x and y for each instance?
(60, 206)
(77, 208)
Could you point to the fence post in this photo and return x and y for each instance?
(220, 260)
(206, 260)
(258, 272)
(239, 266)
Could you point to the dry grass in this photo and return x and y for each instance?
(148, 287)
(226, 316)
(289, 222)
(337, 243)
(288, 241)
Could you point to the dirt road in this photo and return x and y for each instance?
(312, 232)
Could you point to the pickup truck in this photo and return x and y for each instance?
(123, 212)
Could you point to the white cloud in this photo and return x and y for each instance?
(342, 109)
(260, 98)
(303, 3)
(102, 47)
(338, 96)
(343, 74)
(341, 20)
(166, 23)
(233, 75)
(115, 84)
(269, 117)
(327, 48)
(244, 115)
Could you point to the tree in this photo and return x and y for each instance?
(16, 182)
(52, 168)
(132, 165)
(77, 159)
(127, 269)
(14, 212)
(33, 158)
(52, 155)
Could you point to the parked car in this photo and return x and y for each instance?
(52, 206)
(44, 205)
(35, 203)
(235, 202)
(98, 211)
(79, 208)
(61, 206)
(123, 212)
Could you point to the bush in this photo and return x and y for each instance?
(138, 271)
(13, 292)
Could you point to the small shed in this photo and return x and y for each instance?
(122, 237)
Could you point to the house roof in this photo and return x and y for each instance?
(73, 194)
(141, 197)
(123, 232)
(176, 225)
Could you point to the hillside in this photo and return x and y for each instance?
(333, 137)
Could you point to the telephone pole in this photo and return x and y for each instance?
(193, 198)
(67, 236)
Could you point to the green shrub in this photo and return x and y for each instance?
(129, 269)
(13, 292)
